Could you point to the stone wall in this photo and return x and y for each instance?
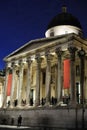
(50, 117)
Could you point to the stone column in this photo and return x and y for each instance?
(13, 85)
(59, 78)
(56, 77)
(72, 51)
(81, 54)
(5, 88)
(48, 78)
(38, 69)
(17, 72)
(28, 81)
(20, 82)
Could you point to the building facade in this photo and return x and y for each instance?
(51, 70)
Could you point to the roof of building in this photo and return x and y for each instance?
(64, 18)
(34, 46)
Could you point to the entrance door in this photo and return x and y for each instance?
(78, 92)
(32, 96)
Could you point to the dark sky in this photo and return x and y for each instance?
(24, 20)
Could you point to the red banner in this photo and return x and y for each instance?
(66, 73)
(9, 84)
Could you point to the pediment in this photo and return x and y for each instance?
(34, 45)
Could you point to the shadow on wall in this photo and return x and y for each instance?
(44, 122)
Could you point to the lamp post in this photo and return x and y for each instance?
(81, 54)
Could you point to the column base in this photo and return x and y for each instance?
(47, 104)
(60, 103)
(28, 106)
(4, 107)
(19, 106)
(72, 104)
(37, 104)
(11, 106)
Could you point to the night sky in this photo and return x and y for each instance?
(24, 20)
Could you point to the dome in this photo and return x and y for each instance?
(66, 21)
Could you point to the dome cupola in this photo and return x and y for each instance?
(63, 23)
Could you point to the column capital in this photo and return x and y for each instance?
(21, 63)
(48, 55)
(59, 51)
(28, 60)
(81, 53)
(8, 68)
(8, 65)
(17, 72)
(13, 66)
(72, 51)
(38, 58)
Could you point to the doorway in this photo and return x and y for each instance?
(78, 92)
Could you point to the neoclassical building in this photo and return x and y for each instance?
(51, 70)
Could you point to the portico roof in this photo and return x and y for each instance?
(34, 46)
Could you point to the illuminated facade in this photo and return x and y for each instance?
(46, 71)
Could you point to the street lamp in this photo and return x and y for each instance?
(81, 54)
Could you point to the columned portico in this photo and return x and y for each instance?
(27, 81)
(42, 68)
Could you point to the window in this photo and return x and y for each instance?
(51, 33)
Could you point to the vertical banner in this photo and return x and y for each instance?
(9, 84)
(66, 74)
